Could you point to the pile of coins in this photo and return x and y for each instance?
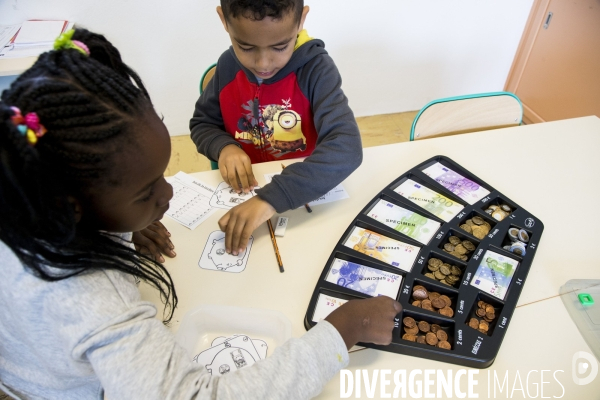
(424, 332)
(432, 301)
(445, 273)
(487, 313)
(518, 239)
(499, 212)
(459, 248)
(477, 227)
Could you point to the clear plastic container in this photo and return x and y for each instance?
(202, 325)
(581, 298)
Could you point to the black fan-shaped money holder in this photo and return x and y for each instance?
(396, 239)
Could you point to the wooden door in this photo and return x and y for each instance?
(556, 71)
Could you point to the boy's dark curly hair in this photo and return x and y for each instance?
(89, 105)
(257, 10)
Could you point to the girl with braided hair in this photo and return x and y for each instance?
(82, 158)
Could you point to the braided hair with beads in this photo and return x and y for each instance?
(88, 105)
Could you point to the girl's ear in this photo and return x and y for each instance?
(78, 210)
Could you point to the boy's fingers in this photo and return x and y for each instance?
(250, 176)
(229, 233)
(233, 179)
(243, 180)
(237, 233)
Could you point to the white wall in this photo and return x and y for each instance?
(394, 55)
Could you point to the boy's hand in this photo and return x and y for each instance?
(369, 320)
(236, 169)
(154, 241)
(239, 223)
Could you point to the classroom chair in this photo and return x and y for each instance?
(470, 113)
(206, 77)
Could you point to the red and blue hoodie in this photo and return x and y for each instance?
(300, 112)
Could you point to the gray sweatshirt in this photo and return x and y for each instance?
(89, 335)
(300, 112)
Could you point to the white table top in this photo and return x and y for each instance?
(549, 169)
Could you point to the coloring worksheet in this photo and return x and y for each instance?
(225, 197)
(335, 194)
(214, 256)
(228, 354)
(190, 204)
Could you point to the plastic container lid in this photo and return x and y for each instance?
(203, 324)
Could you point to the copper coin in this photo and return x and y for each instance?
(426, 305)
(421, 339)
(409, 337)
(435, 328)
(412, 331)
(447, 300)
(433, 295)
(490, 316)
(420, 294)
(482, 331)
(417, 287)
(444, 345)
(481, 304)
(489, 309)
(438, 303)
(480, 312)
(484, 325)
(431, 338)
(447, 312)
(474, 323)
(449, 247)
(416, 303)
(409, 322)
(466, 228)
(441, 335)
(424, 326)
(454, 240)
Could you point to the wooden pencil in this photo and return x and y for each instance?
(274, 241)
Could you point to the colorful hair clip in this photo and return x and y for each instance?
(64, 41)
(28, 126)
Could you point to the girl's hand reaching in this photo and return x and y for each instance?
(369, 320)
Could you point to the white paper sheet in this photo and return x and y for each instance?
(190, 204)
(335, 194)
